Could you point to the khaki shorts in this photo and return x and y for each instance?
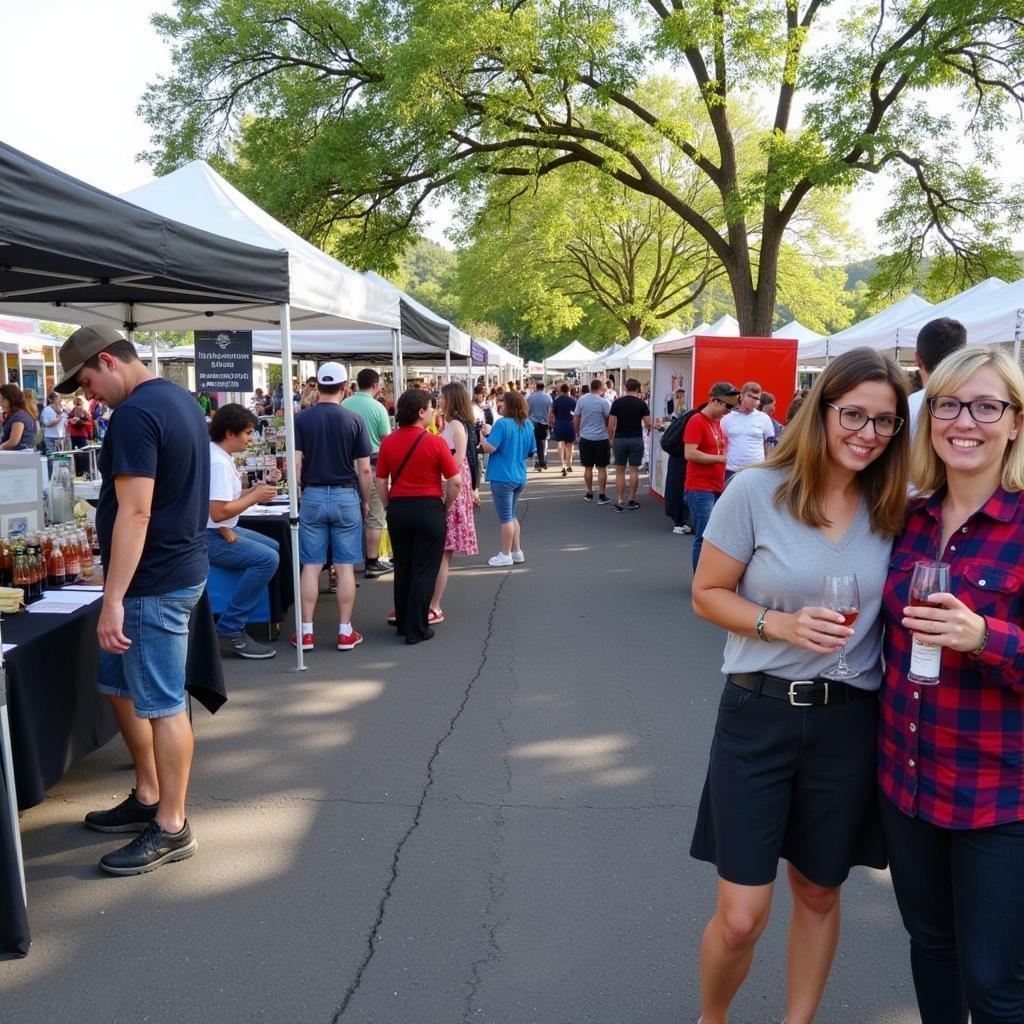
(376, 519)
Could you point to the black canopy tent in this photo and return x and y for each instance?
(63, 242)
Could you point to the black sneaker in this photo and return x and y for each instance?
(632, 505)
(589, 496)
(618, 508)
(603, 499)
(377, 568)
(244, 646)
(128, 816)
(148, 850)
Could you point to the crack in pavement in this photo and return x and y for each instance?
(198, 798)
(371, 942)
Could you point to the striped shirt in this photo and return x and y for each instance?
(953, 754)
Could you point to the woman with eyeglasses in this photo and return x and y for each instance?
(792, 765)
(951, 757)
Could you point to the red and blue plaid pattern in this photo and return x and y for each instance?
(953, 754)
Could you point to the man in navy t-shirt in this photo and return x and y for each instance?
(332, 460)
(151, 523)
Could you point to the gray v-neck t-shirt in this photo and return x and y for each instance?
(786, 562)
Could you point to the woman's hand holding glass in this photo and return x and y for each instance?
(812, 628)
(946, 622)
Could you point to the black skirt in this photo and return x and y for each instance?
(790, 782)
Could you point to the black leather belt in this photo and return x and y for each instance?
(347, 483)
(800, 693)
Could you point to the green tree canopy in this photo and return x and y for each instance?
(358, 111)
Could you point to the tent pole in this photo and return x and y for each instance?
(293, 484)
(396, 369)
(1016, 337)
(21, 370)
(8, 769)
(447, 366)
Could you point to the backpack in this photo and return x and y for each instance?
(672, 438)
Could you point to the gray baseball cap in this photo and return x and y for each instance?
(81, 346)
(723, 389)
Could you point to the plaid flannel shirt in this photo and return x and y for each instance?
(953, 754)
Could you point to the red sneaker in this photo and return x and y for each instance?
(346, 643)
(392, 618)
(307, 641)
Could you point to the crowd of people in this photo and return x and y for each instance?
(824, 764)
(55, 427)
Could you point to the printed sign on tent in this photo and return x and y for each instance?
(223, 360)
(478, 353)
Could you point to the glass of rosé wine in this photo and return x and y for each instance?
(840, 594)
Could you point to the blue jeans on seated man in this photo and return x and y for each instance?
(257, 557)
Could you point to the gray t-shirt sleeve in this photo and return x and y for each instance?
(731, 527)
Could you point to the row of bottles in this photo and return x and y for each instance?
(47, 560)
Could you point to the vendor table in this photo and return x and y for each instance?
(281, 589)
(58, 717)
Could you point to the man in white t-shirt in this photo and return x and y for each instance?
(54, 422)
(747, 430)
(232, 546)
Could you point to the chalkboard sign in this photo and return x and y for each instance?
(224, 360)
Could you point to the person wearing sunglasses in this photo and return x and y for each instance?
(951, 755)
(704, 447)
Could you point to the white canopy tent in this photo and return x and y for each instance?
(635, 356)
(574, 356)
(603, 362)
(996, 318)
(880, 331)
(794, 329)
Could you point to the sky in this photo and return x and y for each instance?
(71, 80)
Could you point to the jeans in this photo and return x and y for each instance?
(152, 671)
(506, 499)
(961, 896)
(257, 557)
(332, 514)
(700, 504)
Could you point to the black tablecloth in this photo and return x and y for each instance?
(58, 717)
(14, 936)
(281, 590)
(56, 714)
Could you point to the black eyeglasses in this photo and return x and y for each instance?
(982, 410)
(851, 418)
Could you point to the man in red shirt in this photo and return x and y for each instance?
(704, 447)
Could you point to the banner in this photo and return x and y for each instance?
(223, 360)
(477, 352)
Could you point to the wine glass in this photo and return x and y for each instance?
(841, 594)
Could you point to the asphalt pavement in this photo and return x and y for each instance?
(489, 827)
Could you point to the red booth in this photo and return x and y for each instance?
(697, 362)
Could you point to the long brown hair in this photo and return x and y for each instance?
(515, 407)
(804, 445)
(15, 397)
(457, 405)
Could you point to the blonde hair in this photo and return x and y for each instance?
(804, 443)
(928, 471)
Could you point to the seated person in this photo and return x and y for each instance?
(232, 546)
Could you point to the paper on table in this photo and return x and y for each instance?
(265, 510)
(63, 602)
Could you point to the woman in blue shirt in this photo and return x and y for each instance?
(510, 443)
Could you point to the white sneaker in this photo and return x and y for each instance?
(518, 557)
(679, 529)
(500, 559)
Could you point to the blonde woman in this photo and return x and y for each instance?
(792, 765)
(951, 757)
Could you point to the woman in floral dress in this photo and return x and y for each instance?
(460, 433)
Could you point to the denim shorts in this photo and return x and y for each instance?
(335, 514)
(152, 671)
(506, 499)
(629, 451)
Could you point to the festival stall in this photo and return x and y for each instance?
(696, 362)
(71, 252)
(574, 357)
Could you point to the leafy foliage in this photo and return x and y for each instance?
(346, 116)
